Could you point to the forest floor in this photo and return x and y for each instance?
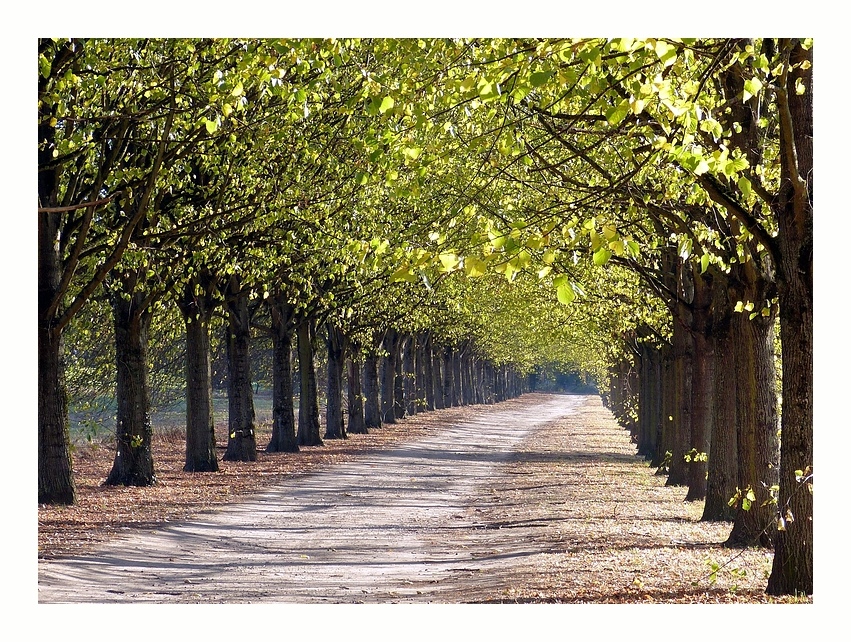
(538, 499)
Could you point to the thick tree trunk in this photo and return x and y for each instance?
(399, 380)
(55, 480)
(448, 377)
(756, 415)
(437, 376)
(420, 378)
(409, 374)
(197, 309)
(283, 412)
(388, 377)
(335, 427)
(723, 461)
(371, 392)
(134, 461)
(242, 445)
(428, 373)
(792, 570)
(357, 421)
(681, 433)
(308, 403)
(457, 384)
(703, 386)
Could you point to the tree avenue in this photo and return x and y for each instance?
(411, 225)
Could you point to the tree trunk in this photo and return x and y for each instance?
(681, 434)
(703, 382)
(409, 374)
(428, 373)
(756, 415)
(283, 412)
(357, 421)
(792, 570)
(371, 392)
(437, 376)
(242, 445)
(457, 384)
(197, 309)
(448, 376)
(134, 462)
(399, 380)
(723, 461)
(388, 377)
(335, 427)
(420, 378)
(308, 403)
(55, 480)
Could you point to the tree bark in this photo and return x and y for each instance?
(242, 445)
(792, 570)
(335, 427)
(357, 421)
(308, 402)
(428, 372)
(756, 415)
(371, 391)
(55, 480)
(682, 381)
(409, 374)
(437, 376)
(134, 462)
(703, 385)
(448, 376)
(283, 412)
(723, 459)
(388, 377)
(197, 308)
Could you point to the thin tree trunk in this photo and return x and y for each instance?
(681, 433)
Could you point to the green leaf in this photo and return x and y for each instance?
(386, 104)
(752, 88)
(745, 185)
(43, 66)
(403, 274)
(566, 295)
(211, 125)
(540, 77)
(667, 53)
(474, 267)
(616, 114)
(602, 255)
(704, 263)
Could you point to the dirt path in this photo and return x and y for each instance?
(524, 495)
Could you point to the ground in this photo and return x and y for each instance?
(538, 499)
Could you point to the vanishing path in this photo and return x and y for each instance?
(534, 499)
(383, 528)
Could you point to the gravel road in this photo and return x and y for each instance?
(400, 526)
